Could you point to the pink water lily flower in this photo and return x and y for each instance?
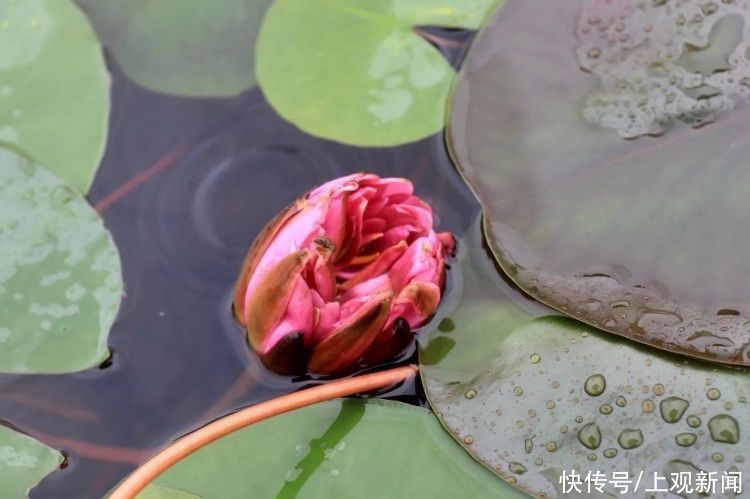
(342, 277)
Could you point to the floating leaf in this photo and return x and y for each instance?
(562, 396)
(23, 463)
(643, 238)
(531, 395)
(154, 491)
(185, 47)
(60, 279)
(349, 448)
(54, 95)
(371, 81)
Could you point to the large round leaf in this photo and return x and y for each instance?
(60, 278)
(54, 95)
(550, 395)
(349, 448)
(185, 47)
(562, 396)
(645, 238)
(356, 71)
(23, 463)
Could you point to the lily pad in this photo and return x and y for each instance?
(154, 491)
(371, 81)
(60, 278)
(342, 448)
(185, 47)
(54, 93)
(562, 397)
(23, 463)
(645, 238)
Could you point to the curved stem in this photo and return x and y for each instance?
(188, 444)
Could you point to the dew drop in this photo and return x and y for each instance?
(468, 440)
(728, 406)
(724, 428)
(534, 358)
(518, 391)
(673, 408)
(528, 445)
(658, 389)
(709, 8)
(551, 446)
(630, 439)
(579, 419)
(550, 404)
(564, 429)
(517, 468)
(610, 453)
(713, 393)
(590, 436)
(595, 385)
(648, 406)
(539, 461)
(591, 457)
(594, 53)
(470, 394)
(605, 409)
(693, 421)
(685, 439)
(621, 401)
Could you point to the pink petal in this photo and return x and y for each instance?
(377, 284)
(298, 316)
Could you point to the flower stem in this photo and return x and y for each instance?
(190, 443)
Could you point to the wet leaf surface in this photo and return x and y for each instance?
(562, 396)
(643, 238)
(54, 95)
(342, 448)
(372, 81)
(531, 395)
(154, 491)
(184, 47)
(23, 463)
(60, 278)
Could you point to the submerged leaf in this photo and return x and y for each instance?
(54, 95)
(60, 278)
(642, 238)
(23, 463)
(342, 448)
(371, 81)
(185, 47)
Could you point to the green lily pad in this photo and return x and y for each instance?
(184, 47)
(154, 491)
(562, 396)
(342, 448)
(371, 81)
(645, 238)
(54, 87)
(528, 393)
(23, 463)
(60, 278)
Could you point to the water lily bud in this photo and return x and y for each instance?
(342, 277)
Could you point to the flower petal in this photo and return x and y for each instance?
(268, 302)
(345, 346)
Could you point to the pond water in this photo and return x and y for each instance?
(185, 186)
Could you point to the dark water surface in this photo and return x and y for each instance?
(185, 186)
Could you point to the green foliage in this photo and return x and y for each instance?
(357, 71)
(60, 278)
(54, 87)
